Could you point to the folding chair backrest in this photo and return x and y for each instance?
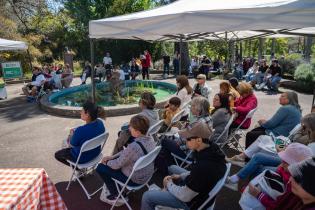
(295, 130)
(95, 142)
(177, 117)
(155, 128)
(147, 159)
(249, 115)
(186, 105)
(217, 187)
(226, 128)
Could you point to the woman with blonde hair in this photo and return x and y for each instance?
(243, 105)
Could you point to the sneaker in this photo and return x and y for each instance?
(236, 160)
(231, 185)
(110, 199)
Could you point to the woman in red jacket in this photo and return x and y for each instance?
(243, 105)
(146, 62)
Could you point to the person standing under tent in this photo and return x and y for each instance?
(146, 63)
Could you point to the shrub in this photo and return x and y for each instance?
(305, 72)
(290, 63)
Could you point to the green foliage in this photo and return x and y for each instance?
(305, 72)
(290, 63)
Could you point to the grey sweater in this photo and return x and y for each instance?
(151, 114)
(128, 157)
(220, 118)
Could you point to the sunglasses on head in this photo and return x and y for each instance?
(191, 138)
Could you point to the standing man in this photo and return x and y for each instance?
(146, 62)
(166, 62)
(107, 60)
(205, 66)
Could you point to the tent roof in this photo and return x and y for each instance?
(6, 44)
(200, 16)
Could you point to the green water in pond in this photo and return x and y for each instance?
(106, 98)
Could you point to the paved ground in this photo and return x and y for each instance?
(29, 138)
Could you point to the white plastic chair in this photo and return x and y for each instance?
(216, 189)
(226, 129)
(232, 139)
(88, 145)
(184, 161)
(141, 163)
(294, 131)
(175, 119)
(155, 128)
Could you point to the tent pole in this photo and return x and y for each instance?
(180, 54)
(92, 72)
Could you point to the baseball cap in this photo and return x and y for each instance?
(199, 129)
(295, 153)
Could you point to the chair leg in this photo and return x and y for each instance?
(70, 179)
(120, 195)
(85, 191)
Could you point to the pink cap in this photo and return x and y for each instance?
(295, 153)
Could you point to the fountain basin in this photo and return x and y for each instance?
(68, 102)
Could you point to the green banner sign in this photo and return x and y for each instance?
(12, 70)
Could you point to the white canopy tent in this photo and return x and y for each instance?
(206, 16)
(202, 19)
(10, 45)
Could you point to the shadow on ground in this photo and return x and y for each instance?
(75, 199)
(18, 108)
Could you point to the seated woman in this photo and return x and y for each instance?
(244, 105)
(250, 75)
(170, 112)
(78, 136)
(288, 200)
(120, 166)
(201, 88)
(282, 122)
(220, 116)
(188, 190)
(174, 143)
(227, 89)
(294, 153)
(260, 158)
(146, 104)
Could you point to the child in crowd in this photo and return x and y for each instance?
(120, 166)
(146, 103)
(171, 110)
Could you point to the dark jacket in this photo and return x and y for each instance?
(207, 169)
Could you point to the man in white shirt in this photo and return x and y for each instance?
(107, 60)
(38, 79)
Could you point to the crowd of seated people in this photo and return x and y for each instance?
(48, 78)
(196, 140)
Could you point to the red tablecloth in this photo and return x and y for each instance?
(28, 188)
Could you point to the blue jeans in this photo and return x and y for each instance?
(257, 163)
(238, 73)
(273, 82)
(153, 198)
(107, 173)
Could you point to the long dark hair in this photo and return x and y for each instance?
(93, 110)
(225, 102)
(183, 82)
